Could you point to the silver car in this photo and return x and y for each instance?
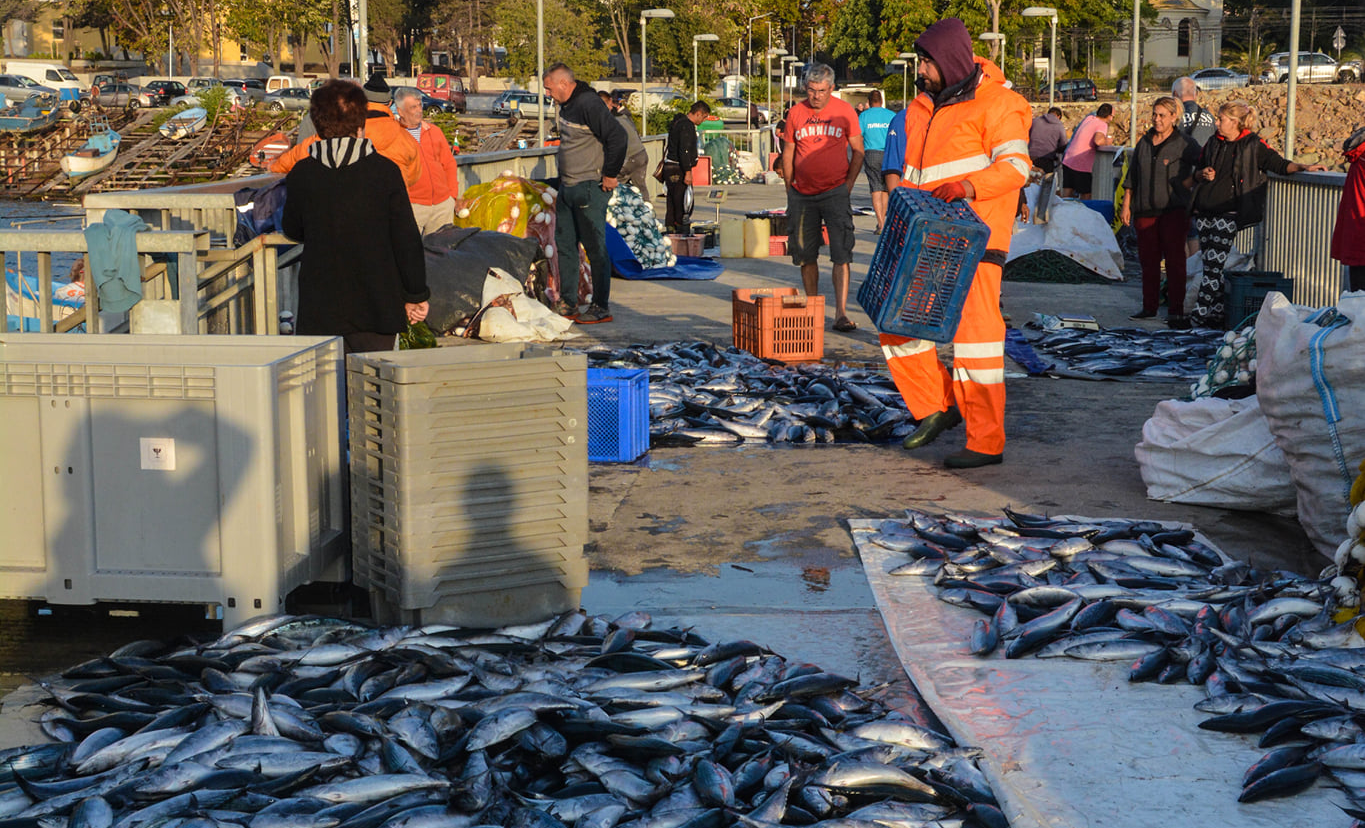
(1314, 67)
(253, 88)
(17, 88)
(292, 98)
(118, 94)
(1219, 78)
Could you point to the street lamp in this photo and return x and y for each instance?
(749, 63)
(787, 61)
(660, 14)
(905, 81)
(768, 75)
(992, 37)
(709, 38)
(1051, 14)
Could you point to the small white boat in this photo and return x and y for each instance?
(97, 153)
(184, 124)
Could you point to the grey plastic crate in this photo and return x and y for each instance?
(469, 482)
(248, 427)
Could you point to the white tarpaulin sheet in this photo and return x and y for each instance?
(1073, 743)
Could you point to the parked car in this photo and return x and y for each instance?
(1073, 89)
(1219, 77)
(236, 98)
(196, 84)
(253, 88)
(117, 94)
(293, 98)
(445, 87)
(17, 88)
(523, 103)
(102, 79)
(1314, 67)
(160, 92)
(500, 106)
(656, 96)
(738, 109)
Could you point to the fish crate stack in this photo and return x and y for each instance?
(618, 414)
(469, 480)
(779, 323)
(924, 265)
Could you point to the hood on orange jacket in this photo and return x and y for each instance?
(388, 136)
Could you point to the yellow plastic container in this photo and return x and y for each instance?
(756, 238)
(732, 239)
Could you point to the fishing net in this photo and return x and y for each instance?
(1050, 266)
(519, 207)
(640, 229)
(1232, 371)
(721, 151)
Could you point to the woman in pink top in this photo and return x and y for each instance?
(1079, 160)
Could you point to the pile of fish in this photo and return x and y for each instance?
(699, 393)
(1133, 353)
(1263, 645)
(310, 722)
(640, 229)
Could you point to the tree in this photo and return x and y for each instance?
(469, 22)
(623, 16)
(571, 37)
(670, 45)
(856, 34)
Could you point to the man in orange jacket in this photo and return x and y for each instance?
(388, 136)
(433, 194)
(965, 136)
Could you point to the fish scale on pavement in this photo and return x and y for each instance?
(581, 721)
(1263, 642)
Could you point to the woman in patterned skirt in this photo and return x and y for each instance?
(1229, 194)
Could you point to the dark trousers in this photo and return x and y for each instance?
(1216, 236)
(581, 218)
(364, 341)
(677, 218)
(1163, 237)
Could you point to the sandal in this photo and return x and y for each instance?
(844, 324)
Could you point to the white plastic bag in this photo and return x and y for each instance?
(1310, 377)
(1214, 452)
(523, 320)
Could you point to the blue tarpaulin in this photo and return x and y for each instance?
(628, 267)
(1018, 349)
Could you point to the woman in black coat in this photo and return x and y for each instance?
(1155, 198)
(1230, 182)
(362, 275)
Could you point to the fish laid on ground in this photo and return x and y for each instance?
(1155, 355)
(590, 722)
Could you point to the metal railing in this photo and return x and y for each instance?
(1295, 237)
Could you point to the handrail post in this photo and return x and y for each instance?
(188, 278)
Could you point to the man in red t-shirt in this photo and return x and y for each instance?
(822, 152)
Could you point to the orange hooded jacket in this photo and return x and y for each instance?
(388, 136)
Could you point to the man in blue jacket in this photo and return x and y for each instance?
(592, 148)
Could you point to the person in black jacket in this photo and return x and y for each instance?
(680, 156)
(1230, 183)
(363, 273)
(1156, 194)
(592, 148)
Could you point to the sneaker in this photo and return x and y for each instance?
(593, 315)
(1143, 314)
(565, 310)
(1178, 322)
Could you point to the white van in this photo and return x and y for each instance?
(54, 75)
(277, 82)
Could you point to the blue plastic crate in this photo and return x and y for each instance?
(618, 414)
(924, 265)
(1247, 289)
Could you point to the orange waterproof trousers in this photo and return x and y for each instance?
(977, 383)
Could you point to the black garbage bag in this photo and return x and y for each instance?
(458, 259)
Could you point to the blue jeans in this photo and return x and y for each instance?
(581, 218)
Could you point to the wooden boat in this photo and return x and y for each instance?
(184, 124)
(266, 150)
(36, 113)
(97, 153)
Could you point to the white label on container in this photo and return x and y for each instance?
(158, 453)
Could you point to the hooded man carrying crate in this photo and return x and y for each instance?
(965, 136)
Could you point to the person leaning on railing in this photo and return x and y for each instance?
(1348, 236)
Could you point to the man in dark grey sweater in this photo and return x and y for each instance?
(592, 148)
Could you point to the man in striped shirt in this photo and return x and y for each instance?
(433, 193)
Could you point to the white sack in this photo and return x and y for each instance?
(1311, 383)
(1214, 452)
(748, 165)
(1076, 232)
(526, 321)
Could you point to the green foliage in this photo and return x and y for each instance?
(660, 117)
(855, 33)
(670, 45)
(571, 37)
(419, 56)
(215, 101)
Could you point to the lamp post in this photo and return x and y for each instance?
(768, 75)
(749, 63)
(905, 79)
(540, 71)
(660, 14)
(709, 38)
(787, 61)
(992, 38)
(1051, 14)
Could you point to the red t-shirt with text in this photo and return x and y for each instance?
(821, 140)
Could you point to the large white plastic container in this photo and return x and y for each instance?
(187, 469)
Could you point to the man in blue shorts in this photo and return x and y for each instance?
(873, 122)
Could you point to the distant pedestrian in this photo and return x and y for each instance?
(434, 192)
(680, 158)
(1156, 196)
(963, 138)
(1348, 236)
(822, 152)
(1078, 162)
(362, 275)
(1195, 121)
(635, 170)
(1229, 196)
(592, 148)
(1046, 145)
(873, 122)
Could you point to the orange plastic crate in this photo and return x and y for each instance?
(779, 323)
(777, 245)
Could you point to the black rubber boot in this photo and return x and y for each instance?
(932, 426)
(968, 459)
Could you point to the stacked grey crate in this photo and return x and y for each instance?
(469, 471)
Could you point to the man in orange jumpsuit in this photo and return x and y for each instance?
(965, 136)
